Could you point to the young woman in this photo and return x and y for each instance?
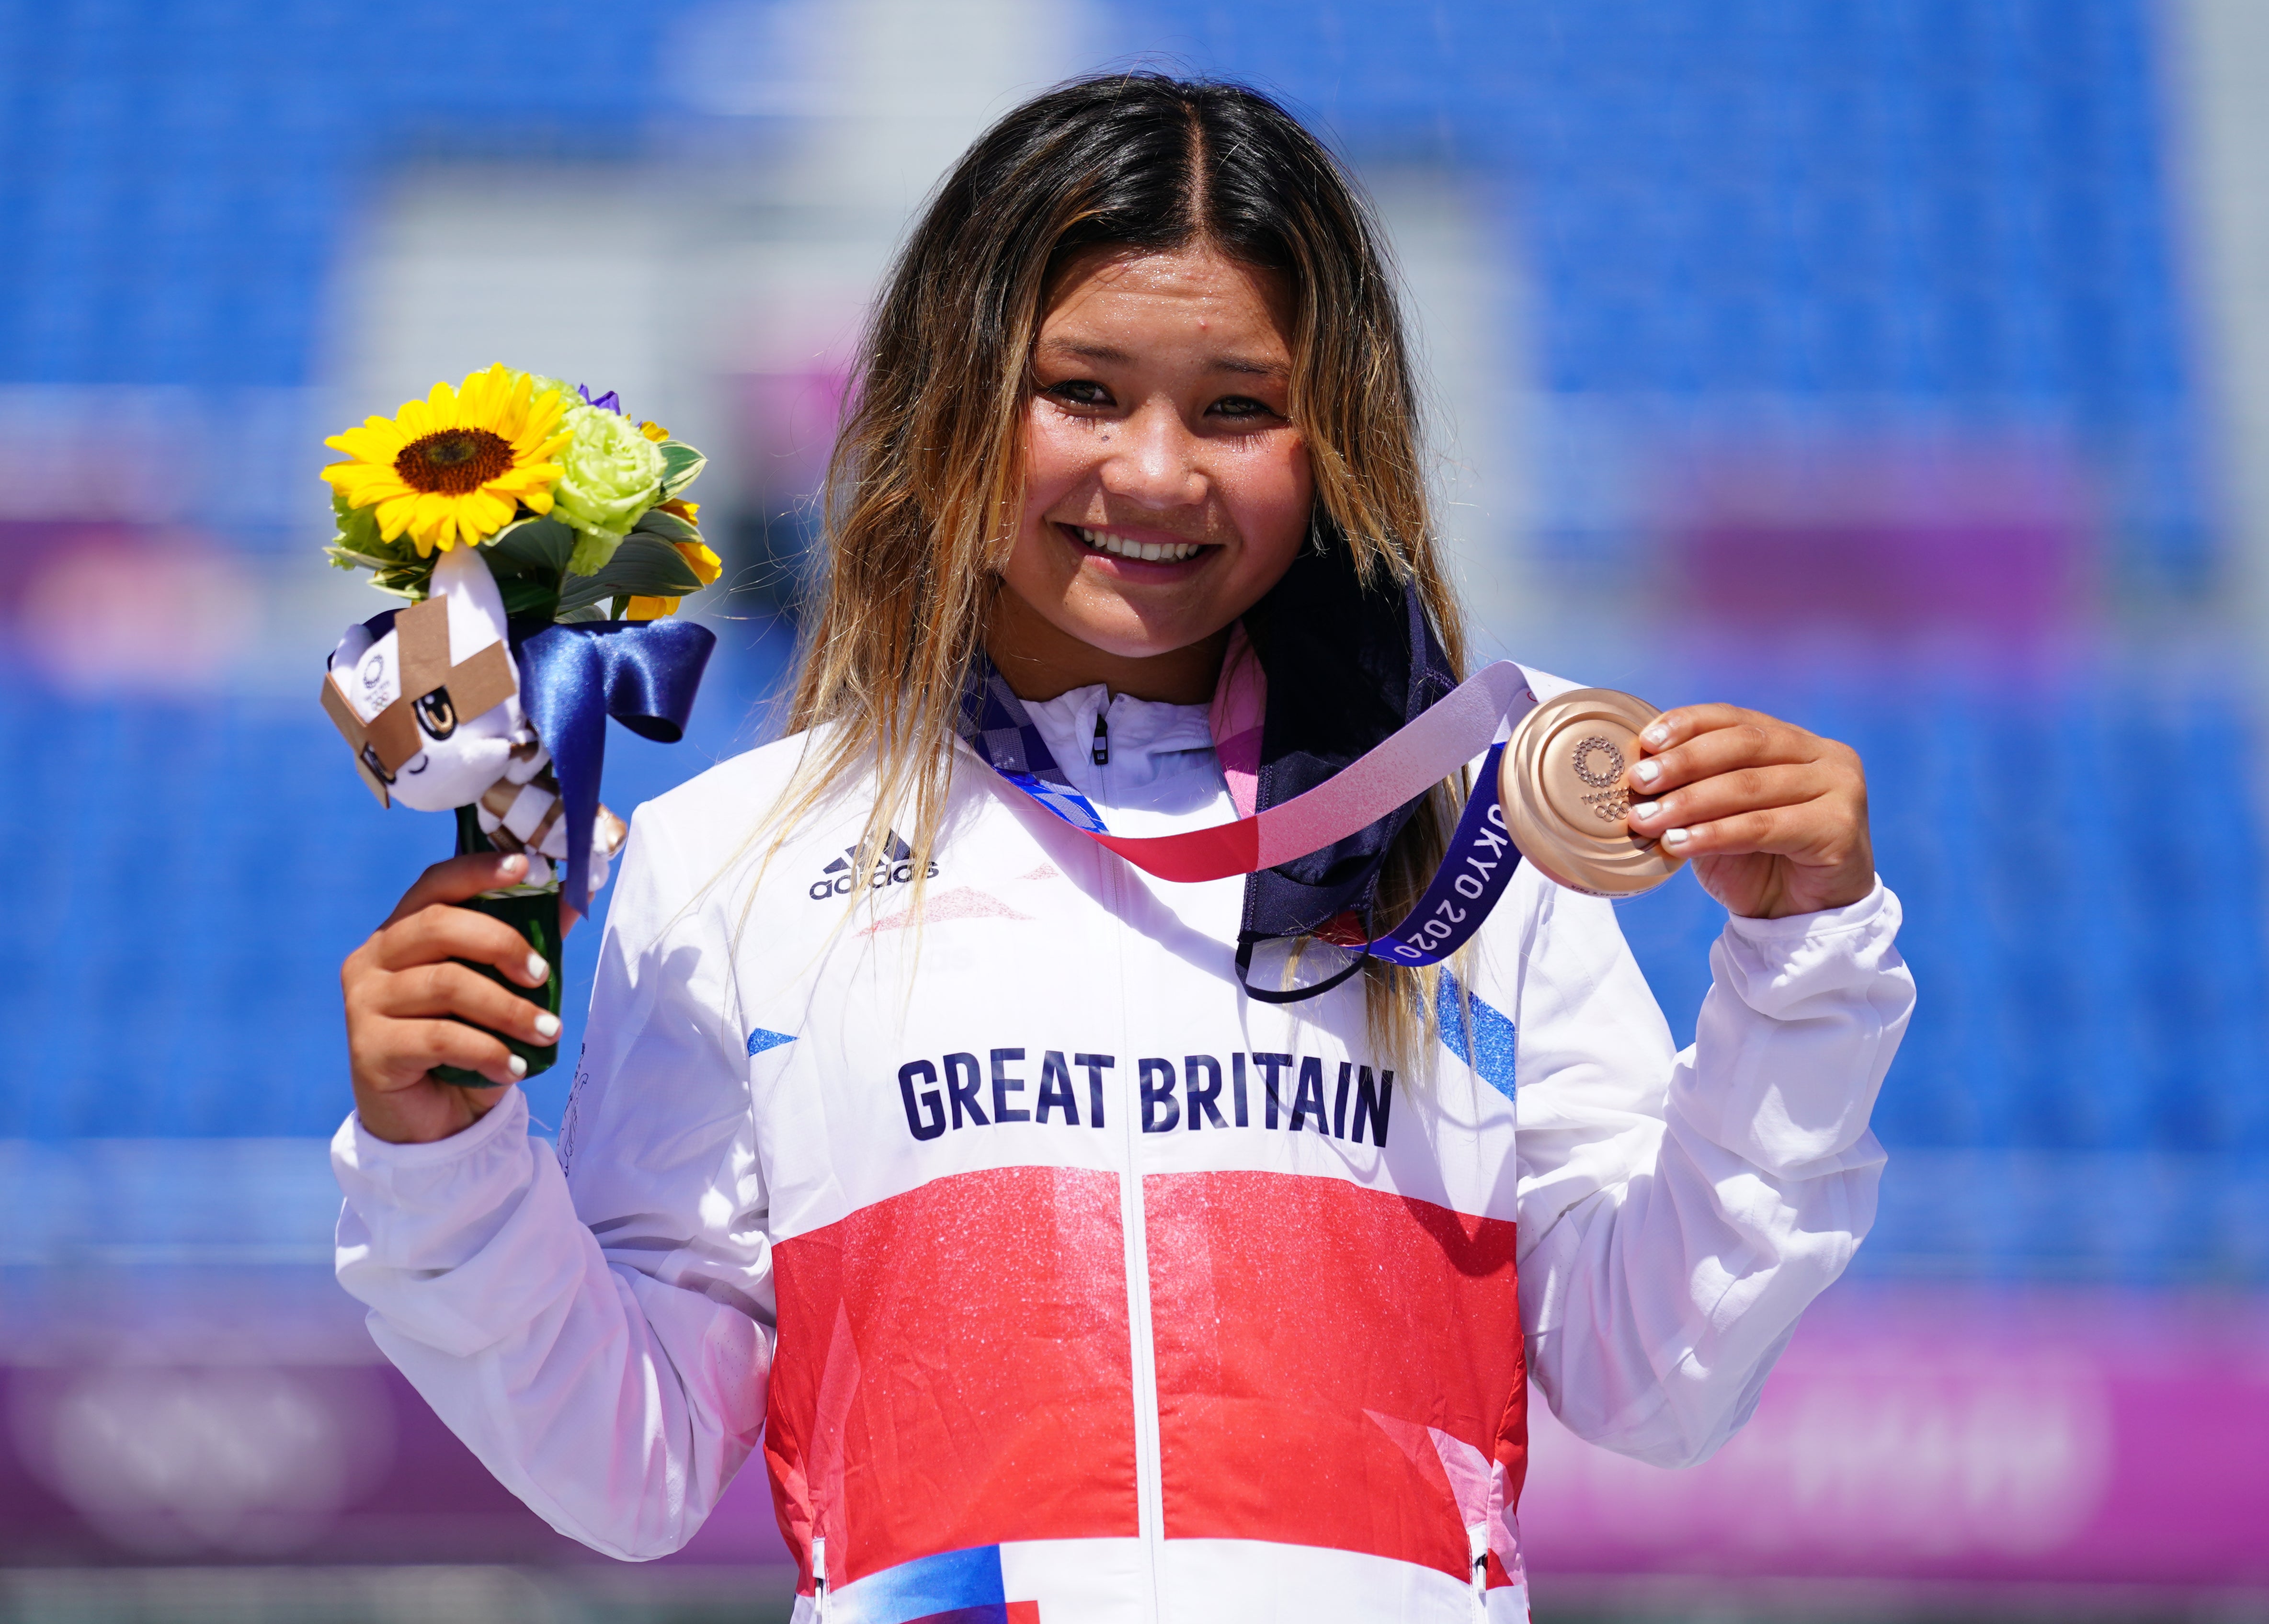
(1060, 1269)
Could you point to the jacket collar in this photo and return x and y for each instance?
(1341, 665)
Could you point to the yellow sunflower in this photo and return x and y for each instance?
(456, 465)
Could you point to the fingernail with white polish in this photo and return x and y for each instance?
(547, 1025)
(1646, 809)
(517, 1066)
(513, 863)
(539, 969)
(1647, 771)
(1656, 736)
(1675, 837)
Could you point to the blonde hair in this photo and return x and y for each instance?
(925, 487)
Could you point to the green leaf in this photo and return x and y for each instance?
(527, 594)
(581, 612)
(346, 558)
(415, 591)
(643, 566)
(681, 466)
(647, 564)
(531, 546)
(580, 593)
(405, 581)
(367, 549)
(668, 527)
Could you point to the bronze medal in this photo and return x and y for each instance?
(1564, 796)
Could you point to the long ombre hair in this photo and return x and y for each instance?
(926, 484)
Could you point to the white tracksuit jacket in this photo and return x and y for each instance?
(1060, 1282)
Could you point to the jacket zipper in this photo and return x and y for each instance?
(1149, 1501)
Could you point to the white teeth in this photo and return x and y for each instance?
(1102, 540)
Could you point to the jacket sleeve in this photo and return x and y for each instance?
(1678, 1211)
(599, 1335)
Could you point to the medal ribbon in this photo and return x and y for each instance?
(1476, 716)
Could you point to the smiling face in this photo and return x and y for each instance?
(1166, 489)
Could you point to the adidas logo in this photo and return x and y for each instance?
(894, 865)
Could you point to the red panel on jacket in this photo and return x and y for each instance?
(1287, 1310)
(954, 1369)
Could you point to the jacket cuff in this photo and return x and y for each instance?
(1794, 930)
(1783, 968)
(360, 1148)
(432, 1204)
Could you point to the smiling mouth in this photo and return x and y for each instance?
(1124, 547)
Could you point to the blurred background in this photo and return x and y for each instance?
(1898, 365)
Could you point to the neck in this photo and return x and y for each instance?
(1040, 660)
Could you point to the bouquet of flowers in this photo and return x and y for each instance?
(542, 540)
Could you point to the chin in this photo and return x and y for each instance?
(1132, 638)
(1136, 648)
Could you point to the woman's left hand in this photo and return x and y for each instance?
(1773, 818)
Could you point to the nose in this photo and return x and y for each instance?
(1154, 460)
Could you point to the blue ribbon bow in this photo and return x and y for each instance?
(643, 673)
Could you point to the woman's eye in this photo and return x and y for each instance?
(1241, 407)
(1080, 391)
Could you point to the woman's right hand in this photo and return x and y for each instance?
(408, 1006)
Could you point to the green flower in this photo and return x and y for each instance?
(611, 474)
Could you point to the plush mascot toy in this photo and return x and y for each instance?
(430, 704)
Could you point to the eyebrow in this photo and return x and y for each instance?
(1104, 353)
